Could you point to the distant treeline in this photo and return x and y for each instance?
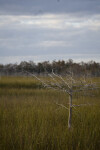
(91, 68)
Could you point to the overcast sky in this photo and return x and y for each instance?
(40, 30)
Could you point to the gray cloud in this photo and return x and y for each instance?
(32, 39)
(34, 7)
(48, 29)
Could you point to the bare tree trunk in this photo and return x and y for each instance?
(70, 111)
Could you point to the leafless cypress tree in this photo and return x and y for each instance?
(68, 84)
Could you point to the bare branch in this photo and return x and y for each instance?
(62, 106)
(84, 89)
(60, 77)
(81, 105)
(57, 84)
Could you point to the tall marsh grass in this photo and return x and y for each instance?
(30, 119)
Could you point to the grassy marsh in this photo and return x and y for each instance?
(30, 119)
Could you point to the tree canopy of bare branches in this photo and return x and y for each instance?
(69, 84)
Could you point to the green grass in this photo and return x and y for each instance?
(30, 119)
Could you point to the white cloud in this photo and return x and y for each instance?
(53, 21)
(49, 34)
(54, 44)
(40, 58)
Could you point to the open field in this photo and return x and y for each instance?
(31, 120)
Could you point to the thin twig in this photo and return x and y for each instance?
(81, 105)
(62, 106)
